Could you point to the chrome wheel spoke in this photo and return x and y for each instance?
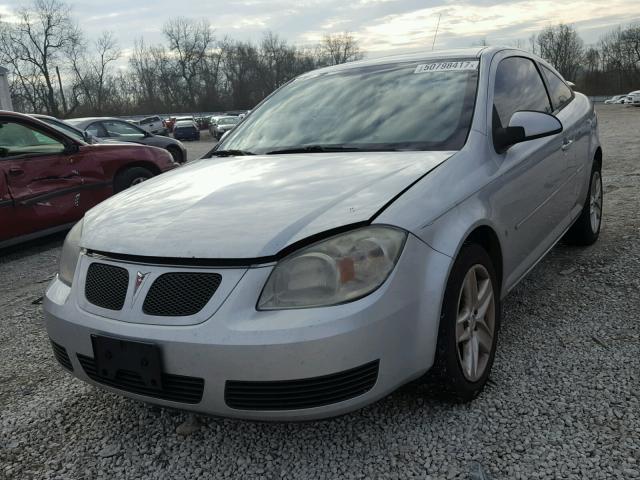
(485, 341)
(475, 322)
(471, 288)
(595, 202)
(485, 297)
(464, 336)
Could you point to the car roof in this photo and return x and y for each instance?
(93, 119)
(474, 52)
(184, 122)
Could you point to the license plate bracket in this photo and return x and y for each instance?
(114, 354)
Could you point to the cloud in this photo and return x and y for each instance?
(469, 21)
(381, 26)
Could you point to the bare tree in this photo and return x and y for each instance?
(189, 41)
(339, 48)
(34, 46)
(563, 48)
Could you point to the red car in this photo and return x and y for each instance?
(50, 177)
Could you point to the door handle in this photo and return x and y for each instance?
(15, 171)
(566, 144)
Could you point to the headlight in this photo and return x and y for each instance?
(70, 254)
(337, 270)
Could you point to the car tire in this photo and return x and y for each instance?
(130, 177)
(176, 154)
(586, 229)
(462, 367)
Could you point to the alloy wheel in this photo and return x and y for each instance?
(475, 322)
(137, 180)
(595, 202)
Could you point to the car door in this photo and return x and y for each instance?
(527, 200)
(123, 131)
(41, 181)
(577, 124)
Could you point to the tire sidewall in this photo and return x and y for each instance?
(447, 353)
(176, 154)
(595, 170)
(123, 179)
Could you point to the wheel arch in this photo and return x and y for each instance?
(486, 237)
(173, 147)
(597, 156)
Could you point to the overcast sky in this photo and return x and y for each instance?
(381, 26)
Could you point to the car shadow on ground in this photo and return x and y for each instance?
(32, 247)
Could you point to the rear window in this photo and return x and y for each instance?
(560, 93)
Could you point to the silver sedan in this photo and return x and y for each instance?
(302, 271)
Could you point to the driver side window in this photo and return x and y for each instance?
(122, 129)
(96, 130)
(19, 139)
(518, 87)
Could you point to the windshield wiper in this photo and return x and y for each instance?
(230, 153)
(315, 148)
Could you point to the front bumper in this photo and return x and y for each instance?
(394, 328)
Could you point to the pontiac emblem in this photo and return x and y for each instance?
(140, 277)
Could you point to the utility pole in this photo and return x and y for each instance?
(436, 34)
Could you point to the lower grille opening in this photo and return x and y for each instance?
(61, 355)
(303, 393)
(176, 388)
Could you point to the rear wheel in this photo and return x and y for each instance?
(130, 177)
(469, 326)
(586, 229)
(176, 154)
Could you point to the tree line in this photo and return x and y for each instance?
(56, 70)
(611, 66)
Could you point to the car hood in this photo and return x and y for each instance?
(252, 206)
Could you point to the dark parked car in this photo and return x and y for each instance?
(186, 130)
(67, 128)
(49, 178)
(123, 131)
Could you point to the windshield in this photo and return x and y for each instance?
(414, 106)
(62, 127)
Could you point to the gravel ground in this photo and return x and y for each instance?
(562, 402)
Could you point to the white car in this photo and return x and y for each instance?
(615, 99)
(309, 270)
(153, 124)
(633, 98)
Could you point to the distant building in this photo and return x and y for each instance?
(5, 98)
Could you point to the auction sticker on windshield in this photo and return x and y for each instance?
(462, 65)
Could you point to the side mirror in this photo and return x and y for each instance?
(71, 148)
(525, 126)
